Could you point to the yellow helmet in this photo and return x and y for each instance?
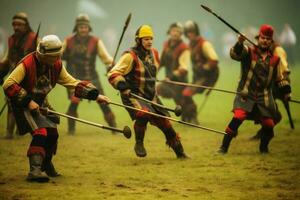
(144, 31)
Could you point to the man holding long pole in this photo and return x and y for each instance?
(134, 73)
(260, 69)
(27, 87)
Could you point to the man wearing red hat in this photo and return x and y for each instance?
(20, 43)
(281, 53)
(260, 69)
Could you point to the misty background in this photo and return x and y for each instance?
(108, 17)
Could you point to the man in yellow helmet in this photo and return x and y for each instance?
(135, 72)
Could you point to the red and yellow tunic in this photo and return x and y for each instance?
(80, 54)
(18, 47)
(258, 75)
(176, 59)
(31, 80)
(204, 61)
(136, 70)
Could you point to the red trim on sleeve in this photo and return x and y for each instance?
(12, 90)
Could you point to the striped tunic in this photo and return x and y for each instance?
(138, 70)
(258, 76)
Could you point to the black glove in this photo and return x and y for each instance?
(285, 90)
(122, 85)
(238, 48)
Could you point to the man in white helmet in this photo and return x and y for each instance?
(80, 52)
(27, 87)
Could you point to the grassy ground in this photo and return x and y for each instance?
(98, 165)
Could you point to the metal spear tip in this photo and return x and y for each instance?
(178, 110)
(206, 8)
(128, 19)
(127, 132)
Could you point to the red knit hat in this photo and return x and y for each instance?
(266, 30)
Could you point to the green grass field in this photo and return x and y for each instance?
(98, 165)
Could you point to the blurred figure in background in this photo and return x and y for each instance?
(134, 73)
(20, 43)
(205, 64)
(80, 52)
(288, 41)
(175, 58)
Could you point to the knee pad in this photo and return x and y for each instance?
(187, 92)
(267, 123)
(240, 114)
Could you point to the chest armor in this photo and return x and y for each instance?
(81, 58)
(141, 78)
(19, 47)
(197, 57)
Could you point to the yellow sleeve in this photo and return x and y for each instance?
(184, 60)
(281, 76)
(123, 67)
(66, 79)
(209, 51)
(16, 76)
(103, 54)
(280, 52)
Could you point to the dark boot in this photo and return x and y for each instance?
(139, 131)
(267, 135)
(231, 131)
(177, 147)
(257, 136)
(225, 144)
(35, 174)
(139, 148)
(49, 168)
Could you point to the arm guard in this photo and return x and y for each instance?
(122, 85)
(18, 95)
(86, 90)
